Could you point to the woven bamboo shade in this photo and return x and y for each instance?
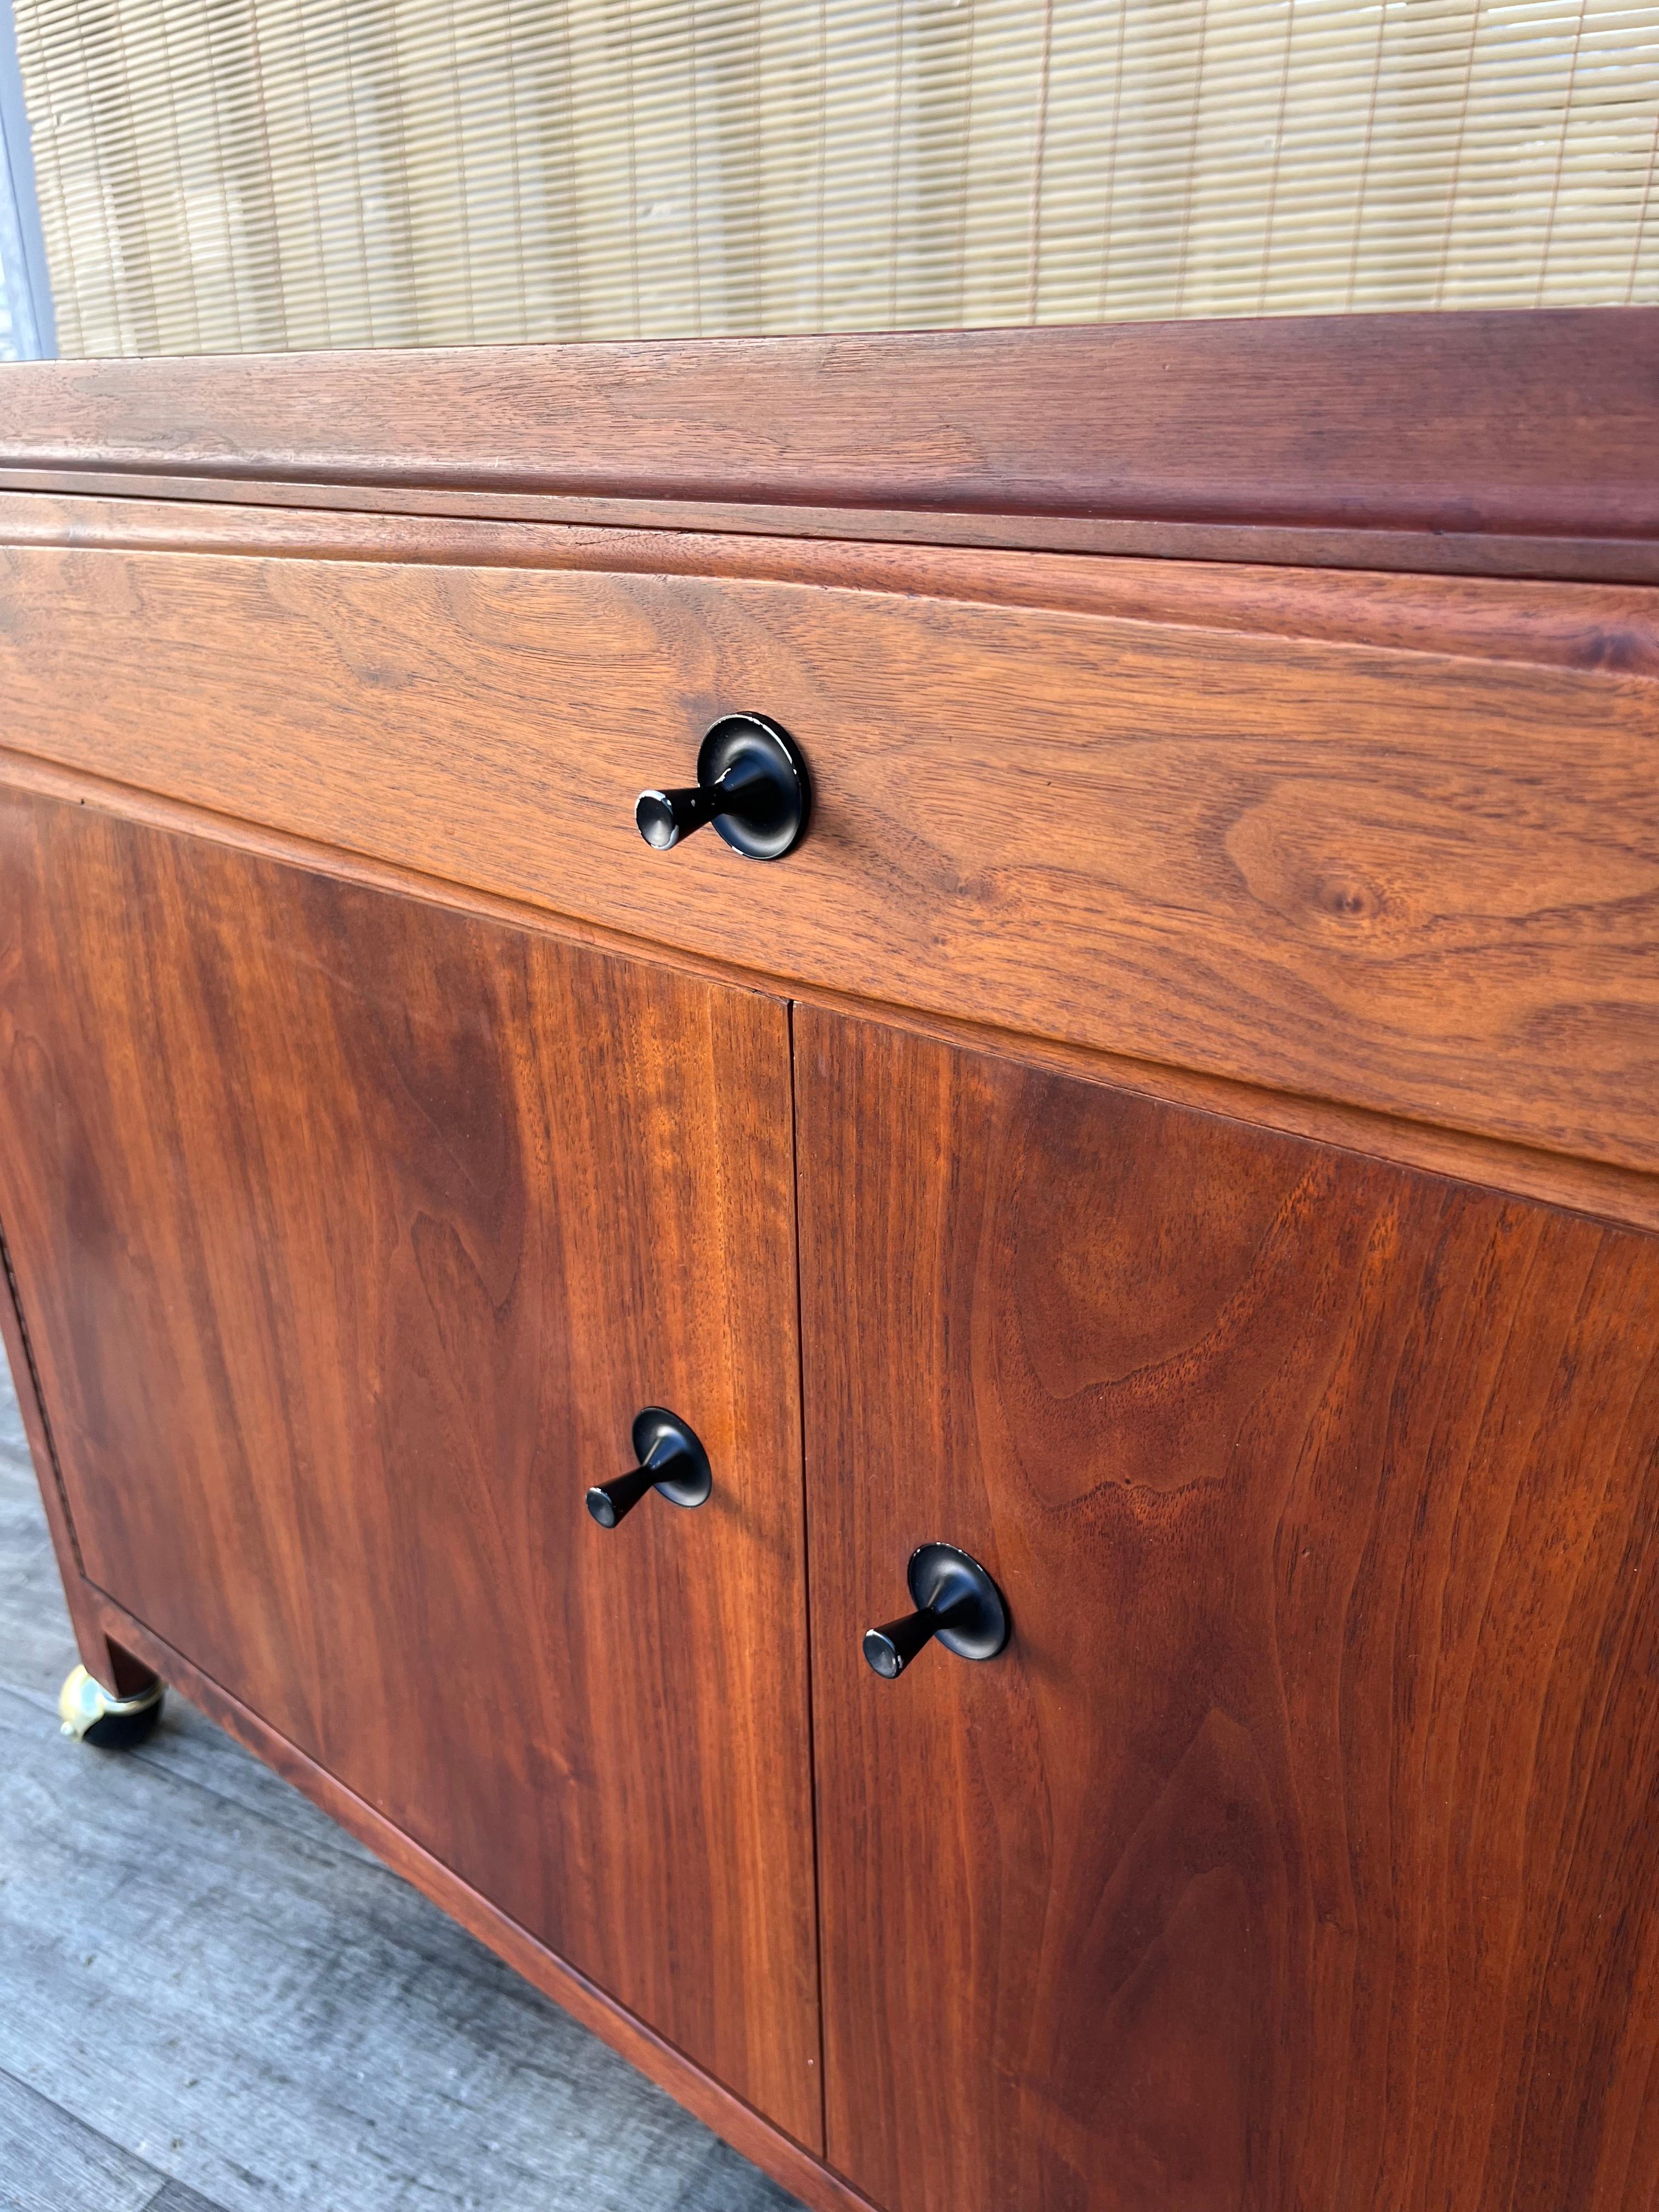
(242, 174)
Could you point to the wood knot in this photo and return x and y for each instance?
(1346, 900)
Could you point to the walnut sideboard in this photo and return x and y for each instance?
(1175, 1122)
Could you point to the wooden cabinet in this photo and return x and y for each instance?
(1181, 1128)
(1261, 825)
(1297, 1851)
(351, 1235)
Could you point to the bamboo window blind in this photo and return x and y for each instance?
(259, 175)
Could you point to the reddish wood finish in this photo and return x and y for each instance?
(1299, 1856)
(1420, 877)
(1523, 424)
(350, 1234)
(105, 1659)
(1300, 1851)
(1620, 1195)
(738, 2122)
(1581, 558)
(1545, 625)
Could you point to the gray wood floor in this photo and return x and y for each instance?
(212, 2001)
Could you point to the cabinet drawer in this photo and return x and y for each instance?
(1388, 840)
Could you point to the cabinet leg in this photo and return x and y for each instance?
(113, 1718)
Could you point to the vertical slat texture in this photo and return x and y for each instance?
(236, 175)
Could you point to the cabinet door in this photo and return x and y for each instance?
(351, 1232)
(1299, 1851)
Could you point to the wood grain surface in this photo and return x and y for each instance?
(106, 1660)
(1536, 422)
(1553, 625)
(52, 2162)
(1623, 1195)
(1417, 878)
(1299, 1852)
(800, 2170)
(194, 1962)
(1581, 557)
(350, 1234)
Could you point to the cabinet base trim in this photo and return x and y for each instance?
(776, 2154)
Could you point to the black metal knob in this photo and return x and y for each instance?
(956, 1601)
(751, 784)
(671, 1460)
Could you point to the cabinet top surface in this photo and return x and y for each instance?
(1415, 434)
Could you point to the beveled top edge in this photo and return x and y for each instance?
(1540, 421)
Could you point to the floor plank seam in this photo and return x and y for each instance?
(324, 1836)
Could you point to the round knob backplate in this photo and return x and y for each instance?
(947, 1582)
(751, 784)
(956, 1601)
(662, 1439)
(671, 1461)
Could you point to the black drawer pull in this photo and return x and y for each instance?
(671, 1460)
(751, 784)
(956, 1601)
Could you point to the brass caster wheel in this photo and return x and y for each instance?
(94, 1716)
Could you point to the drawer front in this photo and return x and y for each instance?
(351, 1234)
(1299, 1850)
(1405, 860)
